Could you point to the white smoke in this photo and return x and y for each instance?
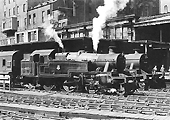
(50, 32)
(105, 12)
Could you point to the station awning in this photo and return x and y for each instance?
(154, 21)
(45, 52)
(156, 44)
(30, 46)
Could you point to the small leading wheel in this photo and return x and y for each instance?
(69, 86)
(141, 85)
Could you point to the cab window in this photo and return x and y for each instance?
(36, 58)
(3, 62)
(13, 63)
(41, 59)
(8, 64)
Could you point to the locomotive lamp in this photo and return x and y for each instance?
(154, 70)
(150, 45)
(112, 91)
(141, 45)
(162, 68)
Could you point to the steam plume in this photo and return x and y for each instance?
(105, 12)
(50, 32)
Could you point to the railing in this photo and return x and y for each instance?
(7, 41)
(9, 24)
(5, 79)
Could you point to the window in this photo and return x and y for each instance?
(17, 38)
(34, 18)
(29, 22)
(13, 62)
(9, 12)
(41, 59)
(23, 7)
(145, 11)
(12, 40)
(3, 25)
(36, 58)
(59, 25)
(8, 64)
(4, 13)
(9, 1)
(17, 23)
(25, 21)
(33, 34)
(43, 16)
(63, 24)
(14, 11)
(166, 9)
(17, 9)
(22, 37)
(4, 2)
(48, 12)
(3, 62)
(29, 36)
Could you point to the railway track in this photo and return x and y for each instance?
(33, 105)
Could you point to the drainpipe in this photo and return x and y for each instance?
(146, 48)
(84, 10)
(160, 33)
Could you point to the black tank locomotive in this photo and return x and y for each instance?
(75, 68)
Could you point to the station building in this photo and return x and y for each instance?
(14, 18)
(155, 27)
(62, 12)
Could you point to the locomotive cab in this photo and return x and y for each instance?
(32, 62)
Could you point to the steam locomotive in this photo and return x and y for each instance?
(81, 71)
(77, 70)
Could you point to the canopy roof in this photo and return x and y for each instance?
(42, 52)
(156, 44)
(154, 20)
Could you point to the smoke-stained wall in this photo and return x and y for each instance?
(147, 33)
(37, 16)
(164, 6)
(21, 13)
(33, 3)
(146, 7)
(77, 10)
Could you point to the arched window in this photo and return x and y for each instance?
(165, 8)
(23, 7)
(146, 10)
